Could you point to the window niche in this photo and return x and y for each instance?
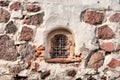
(60, 46)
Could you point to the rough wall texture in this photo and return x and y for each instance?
(24, 28)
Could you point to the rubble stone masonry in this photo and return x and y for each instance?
(59, 40)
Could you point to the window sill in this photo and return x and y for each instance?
(63, 60)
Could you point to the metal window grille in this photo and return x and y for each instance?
(58, 46)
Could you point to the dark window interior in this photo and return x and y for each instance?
(58, 46)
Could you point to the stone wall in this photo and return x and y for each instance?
(26, 24)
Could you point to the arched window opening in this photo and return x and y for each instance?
(60, 47)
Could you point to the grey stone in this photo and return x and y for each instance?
(45, 74)
(4, 3)
(10, 27)
(7, 48)
(71, 73)
(27, 52)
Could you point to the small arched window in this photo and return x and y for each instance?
(59, 46)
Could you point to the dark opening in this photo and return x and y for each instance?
(58, 46)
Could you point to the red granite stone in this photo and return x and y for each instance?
(4, 15)
(96, 60)
(93, 17)
(115, 17)
(32, 8)
(36, 19)
(109, 46)
(16, 6)
(104, 32)
(114, 63)
(26, 34)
